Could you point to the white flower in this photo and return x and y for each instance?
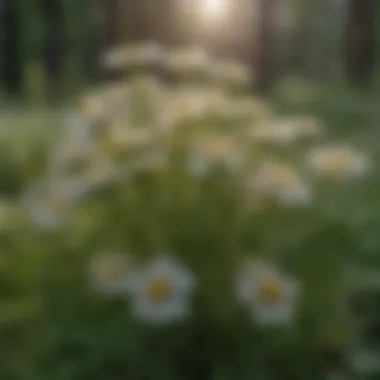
(121, 138)
(188, 60)
(109, 273)
(269, 295)
(133, 55)
(93, 108)
(338, 161)
(232, 72)
(160, 291)
(100, 171)
(113, 59)
(286, 131)
(71, 156)
(183, 105)
(77, 127)
(145, 100)
(114, 94)
(280, 134)
(51, 202)
(208, 152)
(146, 85)
(281, 182)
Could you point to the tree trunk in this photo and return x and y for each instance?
(112, 32)
(54, 45)
(11, 47)
(360, 53)
(112, 22)
(263, 57)
(302, 37)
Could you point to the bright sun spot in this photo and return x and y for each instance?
(214, 8)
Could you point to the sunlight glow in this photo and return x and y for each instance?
(214, 9)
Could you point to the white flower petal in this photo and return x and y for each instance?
(159, 313)
(274, 315)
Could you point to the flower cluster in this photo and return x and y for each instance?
(137, 125)
(165, 186)
(160, 290)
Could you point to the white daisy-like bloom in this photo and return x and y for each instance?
(109, 273)
(145, 93)
(71, 155)
(281, 182)
(93, 108)
(113, 58)
(100, 171)
(338, 161)
(286, 131)
(76, 127)
(206, 153)
(232, 72)
(50, 203)
(120, 138)
(270, 295)
(114, 94)
(278, 134)
(146, 85)
(220, 104)
(147, 53)
(161, 291)
(229, 109)
(187, 60)
(182, 105)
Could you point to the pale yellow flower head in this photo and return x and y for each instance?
(232, 72)
(281, 182)
(187, 60)
(93, 107)
(268, 294)
(161, 291)
(338, 161)
(133, 55)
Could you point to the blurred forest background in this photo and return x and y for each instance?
(308, 57)
(49, 49)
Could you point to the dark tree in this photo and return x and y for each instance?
(360, 43)
(263, 54)
(94, 44)
(112, 22)
(302, 36)
(10, 50)
(111, 32)
(54, 45)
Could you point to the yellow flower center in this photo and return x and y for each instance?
(217, 150)
(284, 180)
(270, 290)
(160, 290)
(335, 162)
